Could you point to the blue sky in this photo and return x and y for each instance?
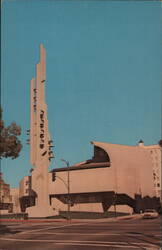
(103, 74)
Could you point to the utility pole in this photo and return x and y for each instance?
(115, 197)
(68, 187)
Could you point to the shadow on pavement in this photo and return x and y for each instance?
(5, 230)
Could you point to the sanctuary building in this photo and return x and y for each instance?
(116, 174)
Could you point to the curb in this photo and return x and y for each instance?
(127, 217)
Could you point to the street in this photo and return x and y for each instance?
(76, 235)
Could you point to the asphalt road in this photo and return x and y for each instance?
(106, 234)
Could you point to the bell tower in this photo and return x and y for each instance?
(40, 142)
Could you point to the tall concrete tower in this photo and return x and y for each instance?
(40, 142)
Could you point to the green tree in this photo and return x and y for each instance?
(10, 145)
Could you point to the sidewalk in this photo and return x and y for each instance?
(126, 217)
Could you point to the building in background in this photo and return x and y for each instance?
(6, 204)
(26, 194)
(9, 198)
(15, 199)
(155, 152)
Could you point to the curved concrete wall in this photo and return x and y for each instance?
(130, 172)
(132, 168)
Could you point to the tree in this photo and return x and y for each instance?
(10, 145)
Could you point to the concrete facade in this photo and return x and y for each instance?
(5, 197)
(116, 173)
(15, 198)
(40, 142)
(155, 152)
(9, 198)
(128, 174)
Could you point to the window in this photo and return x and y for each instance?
(53, 176)
(100, 155)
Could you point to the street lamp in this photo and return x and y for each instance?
(68, 186)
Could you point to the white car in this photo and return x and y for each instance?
(150, 214)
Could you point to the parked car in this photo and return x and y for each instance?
(150, 214)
